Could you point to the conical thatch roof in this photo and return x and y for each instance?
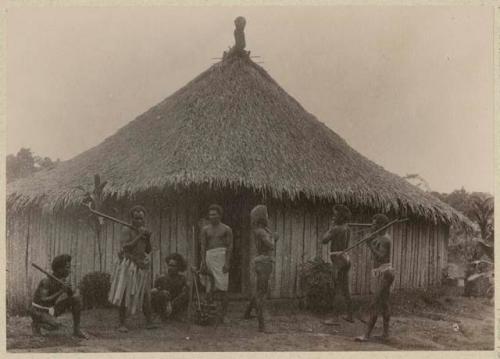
(233, 125)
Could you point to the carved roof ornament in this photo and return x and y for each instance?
(239, 40)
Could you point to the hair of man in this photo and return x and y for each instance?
(179, 259)
(137, 208)
(380, 220)
(343, 212)
(60, 261)
(217, 208)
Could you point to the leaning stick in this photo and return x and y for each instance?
(51, 276)
(113, 219)
(193, 273)
(359, 224)
(381, 229)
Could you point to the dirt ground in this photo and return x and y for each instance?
(421, 321)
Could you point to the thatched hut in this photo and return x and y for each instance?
(231, 136)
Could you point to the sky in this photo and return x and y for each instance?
(411, 88)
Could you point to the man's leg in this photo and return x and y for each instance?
(74, 304)
(76, 310)
(159, 303)
(344, 287)
(375, 309)
(371, 322)
(387, 318)
(41, 319)
(251, 305)
(122, 316)
(263, 271)
(225, 303)
(146, 308)
(335, 281)
(179, 306)
(385, 298)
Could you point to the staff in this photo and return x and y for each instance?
(381, 229)
(116, 220)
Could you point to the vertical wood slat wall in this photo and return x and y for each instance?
(419, 249)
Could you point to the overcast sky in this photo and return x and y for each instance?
(411, 88)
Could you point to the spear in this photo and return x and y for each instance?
(381, 229)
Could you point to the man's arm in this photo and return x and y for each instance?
(229, 250)
(203, 247)
(157, 284)
(380, 248)
(328, 235)
(265, 237)
(183, 295)
(44, 292)
(130, 237)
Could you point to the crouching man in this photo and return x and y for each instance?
(169, 297)
(52, 299)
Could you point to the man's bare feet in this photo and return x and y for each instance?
(330, 322)
(383, 337)
(348, 319)
(122, 329)
(151, 325)
(265, 330)
(36, 330)
(362, 338)
(80, 334)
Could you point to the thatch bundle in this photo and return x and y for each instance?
(232, 126)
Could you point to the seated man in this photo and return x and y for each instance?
(169, 296)
(52, 299)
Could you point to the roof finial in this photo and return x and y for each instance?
(239, 39)
(239, 33)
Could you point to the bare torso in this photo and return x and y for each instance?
(217, 236)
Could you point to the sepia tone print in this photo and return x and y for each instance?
(227, 217)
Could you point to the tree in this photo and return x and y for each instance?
(482, 211)
(25, 164)
(479, 208)
(418, 181)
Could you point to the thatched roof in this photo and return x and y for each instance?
(233, 125)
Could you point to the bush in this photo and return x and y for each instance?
(317, 285)
(94, 289)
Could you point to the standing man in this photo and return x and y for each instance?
(169, 296)
(131, 280)
(382, 277)
(264, 241)
(216, 253)
(338, 236)
(52, 299)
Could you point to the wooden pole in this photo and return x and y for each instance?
(113, 219)
(372, 234)
(51, 276)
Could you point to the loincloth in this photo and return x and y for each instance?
(340, 259)
(215, 259)
(377, 277)
(49, 310)
(263, 269)
(130, 282)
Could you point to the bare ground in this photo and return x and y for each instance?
(421, 321)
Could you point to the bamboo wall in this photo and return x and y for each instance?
(419, 252)
(419, 249)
